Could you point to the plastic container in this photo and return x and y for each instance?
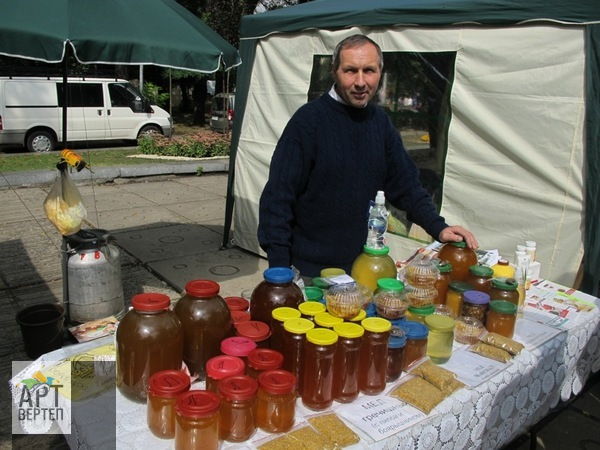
(206, 321)
(371, 265)
(258, 331)
(460, 257)
(237, 303)
(276, 401)
(262, 359)
(504, 288)
(416, 343)
(420, 297)
(237, 409)
(442, 281)
(344, 300)
(443, 310)
(278, 317)
(220, 367)
(277, 289)
(454, 297)
(467, 330)
(197, 421)
(390, 300)
(421, 273)
(326, 320)
(503, 269)
(419, 314)
(475, 304)
(480, 277)
(395, 354)
(294, 341)
(317, 377)
(377, 223)
(238, 346)
(440, 339)
(150, 339)
(309, 310)
(502, 318)
(163, 389)
(346, 361)
(374, 355)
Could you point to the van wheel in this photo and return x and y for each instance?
(149, 130)
(40, 141)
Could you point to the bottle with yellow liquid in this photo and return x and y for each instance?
(373, 264)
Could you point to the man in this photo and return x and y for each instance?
(335, 153)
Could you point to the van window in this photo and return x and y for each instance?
(81, 95)
(126, 96)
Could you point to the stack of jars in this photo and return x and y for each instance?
(421, 276)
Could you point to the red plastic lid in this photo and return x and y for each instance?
(254, 329)
(237, 303)
(237, 346)
(241, 387)
(238, 317)
(150, 301)
(198, 403)
(265, 359)
(277, 381)
(168, 383)
(222, 366)
(202, 288)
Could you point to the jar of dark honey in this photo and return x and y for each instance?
(294, 341)
(374, 355)
(395, 354)
(416, 343)
(164, 388)
(460, 257)
(277, 289)
(238, 406)
(317, 377)
(197, 421)
(504, 288)
(276, 401)
(278, 316)
(149, 338)
(222, 366)
(442, 281)
(480, 277)
(346, 361)
(502, 318)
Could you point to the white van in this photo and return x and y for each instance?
(99, 109)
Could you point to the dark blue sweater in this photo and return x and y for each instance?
(328, 164)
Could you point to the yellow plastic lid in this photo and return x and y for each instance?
(284, 313)
(332, 272)
(298, 326)
(436, 322)
(376, 324)
(311, 308)
(322, 336)
(359, 317)
(349, 330)
(326, 320)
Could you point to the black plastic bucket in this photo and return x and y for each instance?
(42, 327)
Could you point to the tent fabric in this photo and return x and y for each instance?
(523, 137)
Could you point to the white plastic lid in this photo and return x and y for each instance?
(380, 198)
(530, 243)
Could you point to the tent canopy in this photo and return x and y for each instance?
(522, 158)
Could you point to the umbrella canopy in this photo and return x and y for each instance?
(134, 32)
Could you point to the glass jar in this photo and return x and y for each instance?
(416, 343)
(163, 389)
(317, 377)
(326, 320)
(237, 303)
(223, 366)
(460, 257)
(440, 339)
(420, 297)
(502, 318)
(373, 355)
(454, 297)
(258, 331)
(395, 353)
(421, 273)
(419, 314)
(314, 294)
(294, 341)
(197, 420)
(238, 406)
(206, 322)
(309, 309)
(373, 264)
(504, 288)
(475, 304)
(149, 339)
(238, 346)
(346, 361)
(261, 359)
(277, 289)
(276, 401)
(345, 300)
(278, 316)
(480, 277)
(442, 281)
(390, 299)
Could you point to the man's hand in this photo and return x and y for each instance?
(456, 233)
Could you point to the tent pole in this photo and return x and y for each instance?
(65, 93)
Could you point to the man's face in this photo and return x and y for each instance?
(358, 76)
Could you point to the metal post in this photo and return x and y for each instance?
(65, 273)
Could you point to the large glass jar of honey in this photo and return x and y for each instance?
(164, 388)
(480, 277)
(460, 256)
(505, 288)
(276, 401)
(371, 265)
(277, 289)
(149, 338)
(206, 321)
(197, 420)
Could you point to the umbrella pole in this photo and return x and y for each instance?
(65, 93)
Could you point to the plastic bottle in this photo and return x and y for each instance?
(277, 289)
(373, 264)
(377, 225)
(374, 355)
(346, 361)
(317, 379)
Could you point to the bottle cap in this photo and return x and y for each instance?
(240, 387)
(481, 271)
(362, 314)
(390, 284)
(397, 337)
(332, 271)
(380, 198)
(376, 251)
(505, 283)
(459, 286)
(279, 275)
(376, 324)
(349, 330)
(439, 323)
(503, 306)
(254, 329)
(313, 293)
(325, 319)
(461, 244)
(223, 366)
(150, 301)
(168, 383)
(311, 308)
(298, 326)
(530, 243)
(265, 359)
(423, 310)
(237, 303)
(284, 313)
(202, 288)
(444, 267)
(322, 336)
(198, 403)
(237, 346)
(476, 297)
(277, 381)
(415, 330)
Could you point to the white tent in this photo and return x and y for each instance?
(522, 115)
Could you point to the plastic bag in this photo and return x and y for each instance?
(64, 205)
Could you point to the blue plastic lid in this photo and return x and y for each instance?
(415, 330)
(397, 337)
(476, 297)
(278, 275)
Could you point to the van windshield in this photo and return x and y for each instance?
(123, 94)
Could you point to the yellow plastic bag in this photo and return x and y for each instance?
(64, 205)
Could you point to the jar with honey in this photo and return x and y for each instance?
(277, 289)
(502, 318)
(222, 366)
(454, 297)
(395, 353)
(276, 401)
(294, 341)
(197, 421)
(317, 377)
(441, 282)
(374, 355)
(504, 288)
(346, 362)
(460, 257)
(237, 409)
(164, 388)
(416, 343)
(475, 304)
(480, 277)
(278, 316)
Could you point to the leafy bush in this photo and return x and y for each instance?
(198, 145)
(154, 95)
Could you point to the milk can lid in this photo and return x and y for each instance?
(150, 301)
(198, 403)
(278, 275)
(240, 387)
(169, 383)
(202, 288)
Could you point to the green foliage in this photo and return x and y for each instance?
(197, 145)
(154, 96)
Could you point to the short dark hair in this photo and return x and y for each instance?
(356, 40)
